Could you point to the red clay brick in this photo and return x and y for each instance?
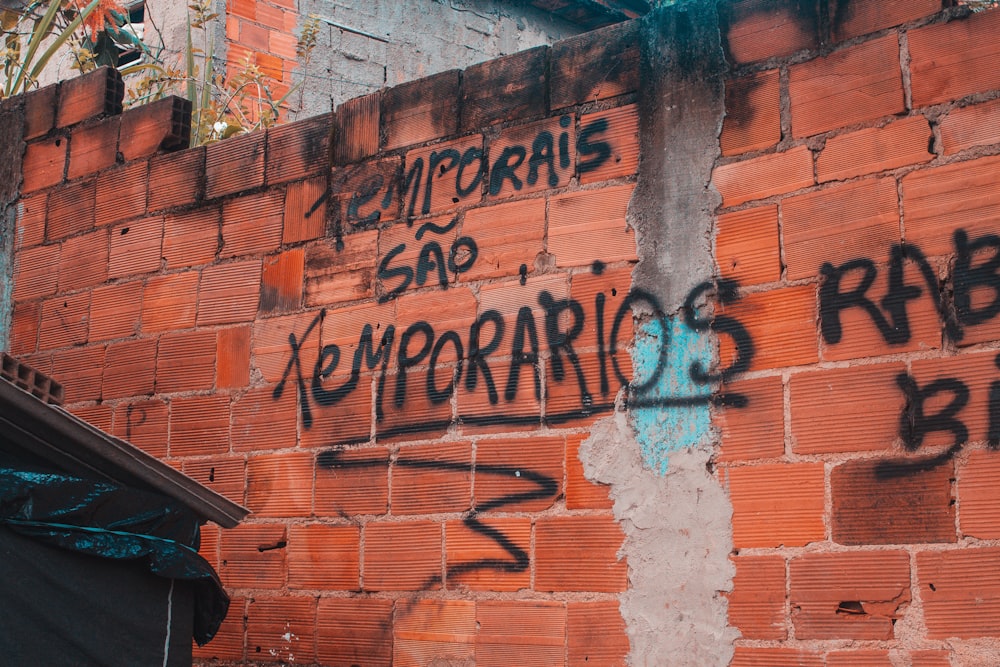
(261, 421)
(322, 557)
(579, 553)
(355, 129)
(522, 77)
(974, 125)
(886, 502)
(520, 632)
(270, 348)
(513, 171)
(581, 493)
(939, 201)
(176, 179)
(130, 368)
(777, 504)
(959, 601)
(426, 629)
(596, 65)
(859, 658)
(760, 29)
(235, 165)
(225, 475)
(622, 137)
(83, 261)
(150, 128)
(186, 362)
(402, 556)
(170, 302)
(580, 223)
(44, 163)
(30, 229)
(782, 325)
(565, 402)
(354, 631)
(65, 321)
(349, 421)
(298, 150)
(417, 416)
(979, 503)
(229, 293)
(100, 415)
(40, 111)
(93, 147)
(398, 248)
(419, 111)
(90, 95)
(764, 176)
(757, 603)
(79, 369)
(595, 634)
(870, 589)
(825, 402)
(281, 629)
(232, 357)
(498, 460)
(747, 245)
(121, 193)
(864, 214)
(144, 424)
(756, 431)
(469, 550)
(281, 287)
(508, 235)
(875, 149)
(136, 248)
(71, 210)
(33, 276)
(478, 414)
(24, 328)
(859, 17)
(427, 479)
(253, 556)
(334, 276)
(303, 222)
(191, 238)
(352, 481)
(976, 372)
(952, 60)
(252, 223)
(775, 657)
(199, 425)
(442, 180)
(280, 485)
(930, 658)
(854, 85)
(753, 113)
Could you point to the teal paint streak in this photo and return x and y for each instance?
(667, 428)
(8, 215)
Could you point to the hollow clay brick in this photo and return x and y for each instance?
(253, 555)
(234, 165)
(428, 479)
(958, 600)
(753, 113)
(747, 246)
(225, 475)
(136, 247)
(83, 261)
(164, 125)
(951, 60)
(902, 143)
(93, 147)
(354, 630)
(323, 557)
(144, 424)
(129, 368)
(299, 150)
(229, 293)
(974, 125)
(186, 361)
(356, 129)
(402, 556)
(199, 425)
(44, 163)
(176, 179)
(305, 210)
(761, 29)
(121, 193)
(596, 65)
(352, 481)
(595, 634)
(781, 324)
(777, 504)
(280, 485)
(469, 544)
(90, 95)
(65, 321)
(71, 210)
(191, 238)
(764, 176)
(758, 430)
(776, 657)
(232, 358)
(282, 626)
(420, 111)
(40, 111)
(757, 602)
(170, 302)
(519, 632)
(854, 85)
(861, 17)
(79, 369)
(579, 553)
(522, 78)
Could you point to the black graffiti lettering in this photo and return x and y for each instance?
(968, 277)
(367, 352)
(466, 248)
(562, 341)
(431, 259)
(832, 301)
(295, 363)
(435, 229)
(441, 395)
(564, 159)
(727, 291)
(368, 191)
(324, 369)
(625, 309)
(406, 361)
(504, 170)
(129, 423)
(478, 353)
(468, 157)
(542, 153)
(602, 354)
(436, 169)
(411, 184)
(385, 273)
(601, 150)
(524, 329)
(993, 433)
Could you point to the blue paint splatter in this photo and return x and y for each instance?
(671, 425)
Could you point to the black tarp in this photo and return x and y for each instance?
(106, 521)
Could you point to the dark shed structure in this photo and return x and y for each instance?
(98, 540)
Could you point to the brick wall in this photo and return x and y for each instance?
(391, 332)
